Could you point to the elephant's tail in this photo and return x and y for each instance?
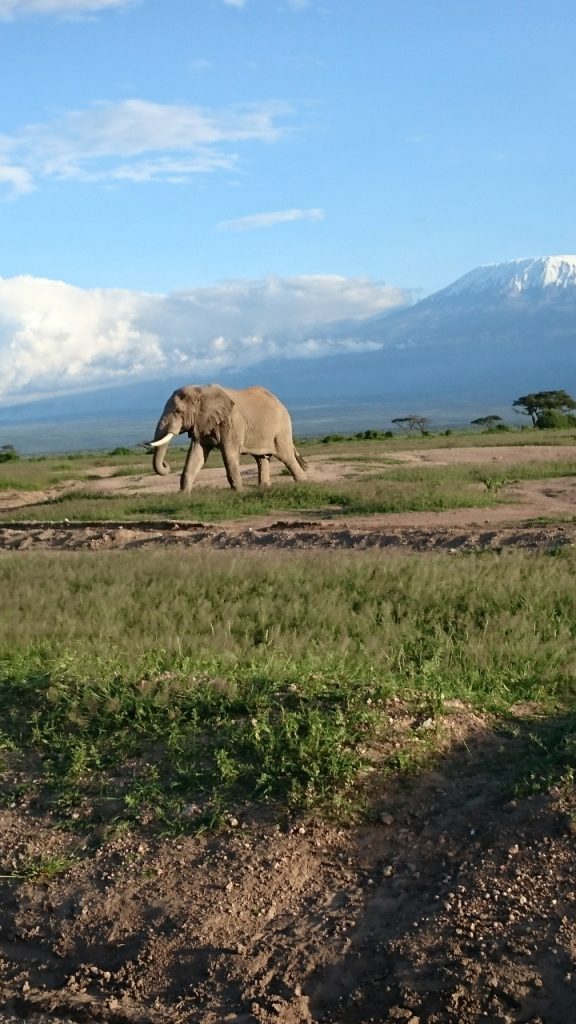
(302, 462)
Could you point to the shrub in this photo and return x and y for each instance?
(8, 453)
(549, 419)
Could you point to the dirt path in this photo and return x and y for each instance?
(286, 535)
(515, 524)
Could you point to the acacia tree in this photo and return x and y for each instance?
(409, 423)
(486, 421)
(537, 402)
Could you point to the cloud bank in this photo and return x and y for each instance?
(135, 140)
(55, 337)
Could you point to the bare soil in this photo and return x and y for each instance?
(452, 902)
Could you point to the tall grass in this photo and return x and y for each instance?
(168, 681)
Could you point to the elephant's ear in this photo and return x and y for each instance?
(214, 411)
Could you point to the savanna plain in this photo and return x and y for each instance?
(303, 755)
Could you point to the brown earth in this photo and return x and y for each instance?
(450, 903)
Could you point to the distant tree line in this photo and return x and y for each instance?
(547, 409)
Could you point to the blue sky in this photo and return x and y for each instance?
(352, 153)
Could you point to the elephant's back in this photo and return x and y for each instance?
(258, 398)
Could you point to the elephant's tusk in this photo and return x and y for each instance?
(163, 440)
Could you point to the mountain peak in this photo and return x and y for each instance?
(516, 276)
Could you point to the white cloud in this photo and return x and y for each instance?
(235, 3)
(10, 9)
(269, 220)
(136, 140)
(56, 337)
(18, 179)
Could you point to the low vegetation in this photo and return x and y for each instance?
(158, 687)
(167, 687)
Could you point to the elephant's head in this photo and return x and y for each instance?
(200, 412)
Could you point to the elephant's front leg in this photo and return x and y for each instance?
(195, 459)
(231, 460)
(263, 463)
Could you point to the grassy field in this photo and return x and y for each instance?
(168, 688)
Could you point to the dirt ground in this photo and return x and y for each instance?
(452, 529)
(452, 902)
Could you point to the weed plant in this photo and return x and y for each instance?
(169, 686)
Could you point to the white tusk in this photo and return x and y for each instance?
(163, 440)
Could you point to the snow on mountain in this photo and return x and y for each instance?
(515, 277)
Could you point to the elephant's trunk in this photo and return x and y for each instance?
(160, 465)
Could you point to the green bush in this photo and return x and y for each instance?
(8, 454)
(549, 419)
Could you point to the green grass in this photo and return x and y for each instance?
(32, 474)
(167, 687)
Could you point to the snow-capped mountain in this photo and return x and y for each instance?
(497, 332)
(498, 302)
(516, 277)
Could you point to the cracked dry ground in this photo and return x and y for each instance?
(453, 905)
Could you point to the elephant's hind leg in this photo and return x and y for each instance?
(263, 463)
(292, 465)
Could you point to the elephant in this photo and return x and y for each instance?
(251, 421)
